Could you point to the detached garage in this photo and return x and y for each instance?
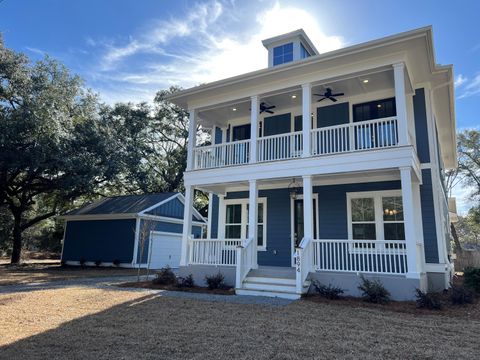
(128, 231)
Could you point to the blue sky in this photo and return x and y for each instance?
(128, 49)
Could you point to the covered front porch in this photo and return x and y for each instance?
(364, 223)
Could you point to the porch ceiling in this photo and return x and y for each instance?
(357, 84)
(338, 179)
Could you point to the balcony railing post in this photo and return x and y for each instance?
(254, 128)
(306, 118)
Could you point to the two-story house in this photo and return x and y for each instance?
(325, 166)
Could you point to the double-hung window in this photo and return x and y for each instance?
(236, 220)
(376, 215)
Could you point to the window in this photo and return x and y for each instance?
(283, 54)
(236, 220)
(303, 52)
(374, 110)
(375, 216)
(241, 132)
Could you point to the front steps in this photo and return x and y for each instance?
(271, 281)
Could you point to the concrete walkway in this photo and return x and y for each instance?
(111, 283)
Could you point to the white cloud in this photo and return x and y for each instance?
(463, 193)
(460, 80)
(201, 47)
(471, 88)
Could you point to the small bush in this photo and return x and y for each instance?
(215, 281)
(165, 276)
(471, 277)
(429, 300)
(116, 262)
(98, 262)
(459, 295)
(186, 282)
(82, 261)
(373, 291)
(328, 291)
(63, 263)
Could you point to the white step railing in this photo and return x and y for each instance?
(213, 156)
(303, 262)
(362, 256)
(372, 134)
(279, 147)
(245, 260)
(213, 251)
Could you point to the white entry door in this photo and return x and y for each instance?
(165, 250)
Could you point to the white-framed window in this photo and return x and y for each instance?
(236, 220)
(375, 215)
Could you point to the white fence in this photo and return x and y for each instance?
(213, 252)
(364, 256)
(213, 156)
(362, 135)
(304, 262)
(246, 258)
(280, 147)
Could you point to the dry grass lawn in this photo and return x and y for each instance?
(40, 271)
(93, 323)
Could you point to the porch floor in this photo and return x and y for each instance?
(273, 272)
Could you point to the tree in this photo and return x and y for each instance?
(468, 228)
(53, 148)
(468, 145)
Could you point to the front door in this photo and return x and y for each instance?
(298, 223)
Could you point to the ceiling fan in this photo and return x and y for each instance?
(328, 95)
(264, 107)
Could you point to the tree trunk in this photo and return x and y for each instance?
(17, 239)
(458, 246)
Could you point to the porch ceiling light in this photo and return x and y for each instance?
(293, 189)
(365, 81)
(234, 109)
(294, 96)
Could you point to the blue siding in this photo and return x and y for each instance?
(218, 136)
(172, 209)
(332, 213)
(428, 218)
(215, 211)
(105, 240)
(421, 126)
(278, 124)
(166, 227)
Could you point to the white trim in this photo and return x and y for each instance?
(243, 202)
(210, 215)
(63, 240)
(135, 242)
(437, 268)
(97, 217)
(169, 219)
(292, 222)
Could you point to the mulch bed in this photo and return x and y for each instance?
(194, 289)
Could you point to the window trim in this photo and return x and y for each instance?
(378, 210)
(243, 233)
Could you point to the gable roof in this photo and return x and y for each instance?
(128, 204)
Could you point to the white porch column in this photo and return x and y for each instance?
(409, 213)
(401, 103)
(187, 222)
(307, 207)
(306, 117)
(254, 112)
(210, 210)
(192, 138)
(253, 218)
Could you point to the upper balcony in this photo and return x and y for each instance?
(357, 114)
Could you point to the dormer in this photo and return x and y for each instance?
(289, 47)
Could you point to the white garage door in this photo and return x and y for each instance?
(166, 249)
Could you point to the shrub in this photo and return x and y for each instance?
(98, 262)
(63, 263)
(165, 276)
(215, 281)
(373, 291)
(429, 300)
(186, 282)
(471, 277)
(82, 261)
(459, 295)
(328, 291)
(116, 262)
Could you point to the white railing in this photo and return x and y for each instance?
(279, 147)
(213, 252)
(303, 262)
(362, 256)
(372, 134)
(213, 156)
(245, 260)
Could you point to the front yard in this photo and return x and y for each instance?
(92, 323)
